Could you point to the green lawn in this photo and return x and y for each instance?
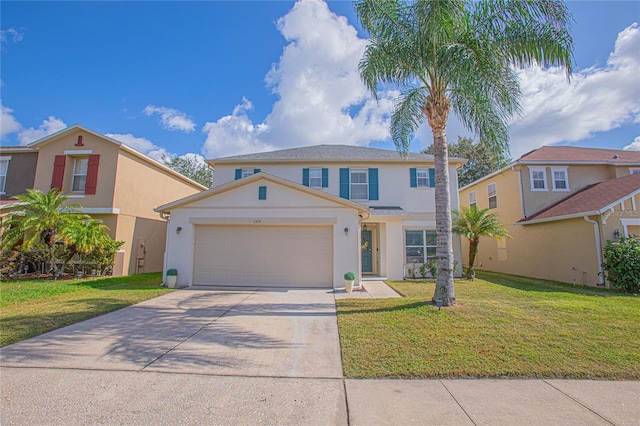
(501, 326)
(30, 308)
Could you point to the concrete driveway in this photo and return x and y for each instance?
(170, 360)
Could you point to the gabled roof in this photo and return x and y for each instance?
(329, 153)
(577, 155)
(594, 199)
(166, 208)
(55, 136)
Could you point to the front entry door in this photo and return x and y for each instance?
(367, 250)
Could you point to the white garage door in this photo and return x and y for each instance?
(266, 256)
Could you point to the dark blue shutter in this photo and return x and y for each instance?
(344, 183)
(262, 193)
(256, 171)
(325, 178)
(238, 173)
(305, 177)
(373, 184)
(432, 178)
(413, 177)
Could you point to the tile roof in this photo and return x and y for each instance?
(388, 211)
(593, 198)
(327, 152)
(574, 154)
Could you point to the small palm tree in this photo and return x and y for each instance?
(84, 236)
(474, 223)
(458, 56)
(41, 218)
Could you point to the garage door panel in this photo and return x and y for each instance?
(264, 256)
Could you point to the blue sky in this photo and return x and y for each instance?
(223, 78)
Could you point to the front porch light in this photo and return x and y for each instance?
(364, 227)
(346, 231)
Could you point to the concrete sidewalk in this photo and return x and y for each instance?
(260, 357)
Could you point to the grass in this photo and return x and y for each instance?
(30, 308)
(502, 326)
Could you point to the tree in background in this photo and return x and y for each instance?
(458, 55)
(83, 237)
(474, 223)
(482, 160)
(192, 167)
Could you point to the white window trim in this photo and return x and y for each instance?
(366, 174)
(544, 173)
(73, 175)
(246, 172)
(317, 177)
(424, 244)
(566, 178)
(475, 199)
(634, 170)
(78, 152)
(426, 172)
(495, 194)
(6, 158)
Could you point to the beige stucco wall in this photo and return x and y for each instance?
(108, 151)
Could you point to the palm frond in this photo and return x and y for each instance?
(407, 117)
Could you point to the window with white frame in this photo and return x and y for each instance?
(80, 167)
(634, 171)
(493, 196)
(247, 172)
(315, 178)
(538, 179)
(420, 246)
(472, 198)
(560, 179)
(359, 184)
(422, 178)
(4, 166)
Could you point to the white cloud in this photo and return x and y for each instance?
(46, 128)
(633, 146)
(597, 99)
(321, 97)
(143, 145)
(15, 35)
(171, 119)
(8, 123)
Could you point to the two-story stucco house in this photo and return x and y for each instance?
(113, 182)
(303, 217)
(560, 204)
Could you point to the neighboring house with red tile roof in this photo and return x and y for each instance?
(560, 205)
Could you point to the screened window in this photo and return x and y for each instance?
(472, 198)
(80, 167)
(420, 246)
(4, 166)
(359, 185)
(560, 182)
(422, 178)
(247, 172)
(493, 196)
(538, 180)
(315, 178)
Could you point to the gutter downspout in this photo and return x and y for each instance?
(519, 171)
(596, 231)
(166, 248)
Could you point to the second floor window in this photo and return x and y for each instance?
(4, 166)
(359, 185)
(472, 198)
(80, 168)
(315, 178)
(538, 179)
(247, 172)
(493, 196)
(560, 181)
(422, 178)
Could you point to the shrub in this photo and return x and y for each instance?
(350, 276)
(622, 264)
(173, 272)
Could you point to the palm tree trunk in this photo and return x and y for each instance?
(473, 251)
(444, 251)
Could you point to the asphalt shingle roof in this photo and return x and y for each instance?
(574, 154)
(590, 199)
(326, 152)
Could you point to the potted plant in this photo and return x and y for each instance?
(172, 277)
(349, 279)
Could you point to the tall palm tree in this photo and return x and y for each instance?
(40, 217)
(460, 56)
(474, 223)
(84, 236)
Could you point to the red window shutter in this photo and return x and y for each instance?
(92, 174)
(58, 172)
